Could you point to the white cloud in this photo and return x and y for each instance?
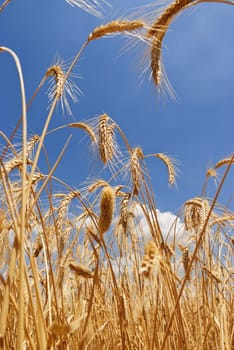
(171, 225)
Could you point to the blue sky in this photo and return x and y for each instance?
(198, 55)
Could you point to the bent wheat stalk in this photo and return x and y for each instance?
(20, 337)
(160, 27)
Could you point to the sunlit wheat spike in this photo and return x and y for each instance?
(223, 220)
(115, 27)
(64, 204)
(87, 128)
(195, 213)
(192, 218)
(223, 162)
(59, 76)
(135, 169)
(60, 86)
(14, 163)
(152, 259)
(106, 142)
(170, 167)
(106, 209)
(164, 20)
(80, 270)
(156, 49)
(185, 257)
(124, 211)
(96, 185)
(211, 173)
(31, 143)
(157, 33)
(37, 246)
(93, 7)
(63, 226)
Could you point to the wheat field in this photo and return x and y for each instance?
(90, 267)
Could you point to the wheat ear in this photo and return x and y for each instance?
(57, 72)
(106, 144)
(115, 27)
(86, 128)
(135, 169)
(185, 258)
(195, 213)
(80, 270)
(223, 162)
(157, 32)
(152, 259)
(162, 23)
(106, 210)
(170, 167)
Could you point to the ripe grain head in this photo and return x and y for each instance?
(61, 87)
(106, 209)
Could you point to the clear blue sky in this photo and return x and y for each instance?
(198, 54)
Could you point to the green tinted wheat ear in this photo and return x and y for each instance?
(106, 210)
(115, 27)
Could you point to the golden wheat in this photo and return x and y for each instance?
(170, 167)
(135, 169)
(223, 162)
(115, 27)
(86, 128)
(106, 210)
(106, 144)
(61, 86)
(152, 259)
